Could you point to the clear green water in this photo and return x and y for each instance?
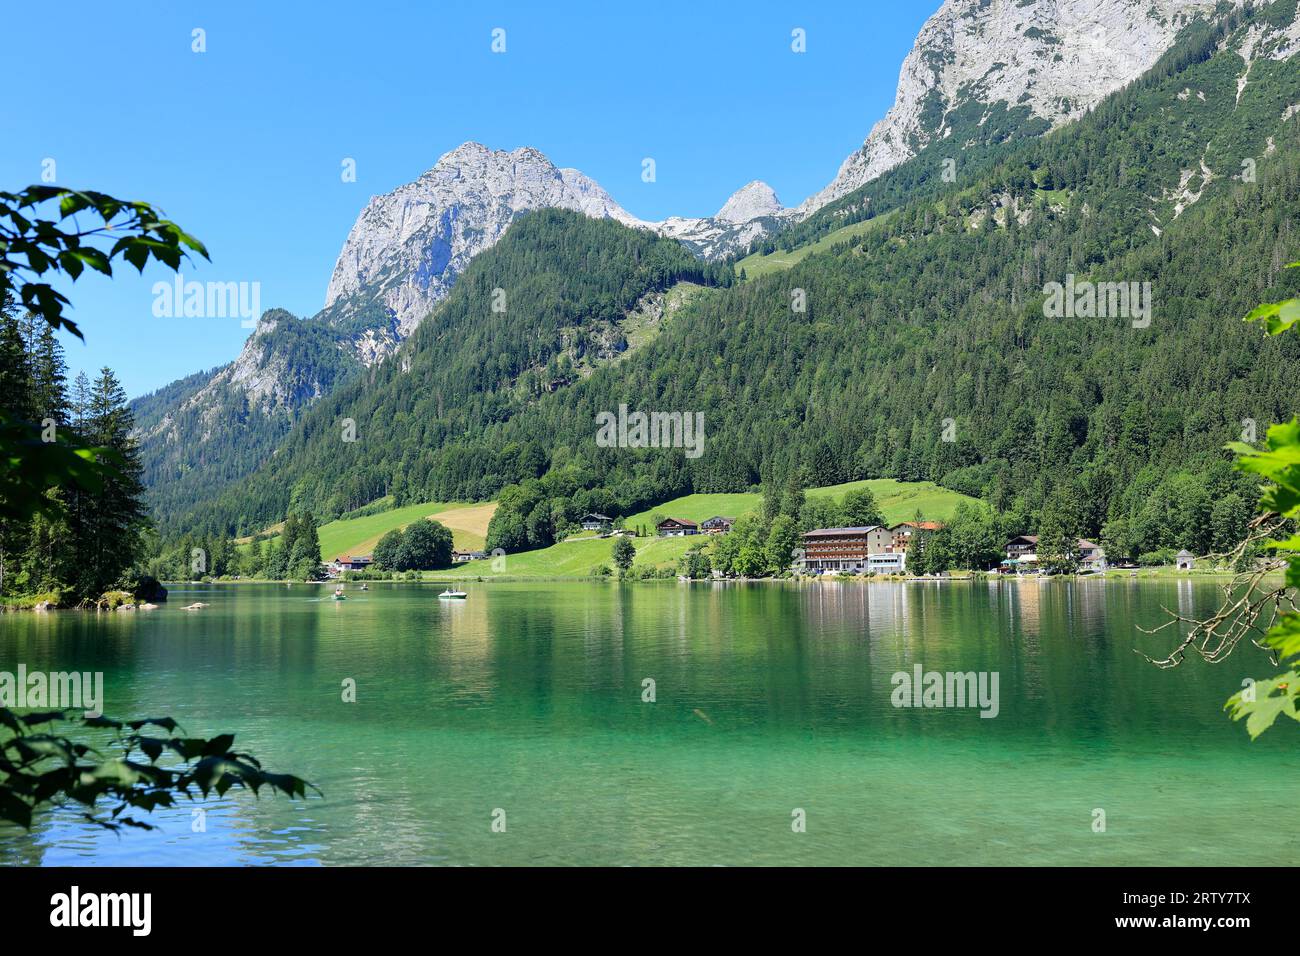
(527, 698)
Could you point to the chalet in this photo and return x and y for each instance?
(1184, 560)
(1022, 549)
(844, 549)
(348, 563)
(676, 528)
(595, 522)
(1091, 556)
(460, 557)
(1022, 555)
(717, 525)
(906, 532)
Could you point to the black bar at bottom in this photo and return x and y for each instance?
(334, 905)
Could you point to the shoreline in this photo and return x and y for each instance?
(15, 605)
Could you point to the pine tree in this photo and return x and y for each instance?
(15, 369)
(79, 406)
(49, 391)
(115, 517)
(303, 552)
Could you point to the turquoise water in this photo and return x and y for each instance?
(770, 698)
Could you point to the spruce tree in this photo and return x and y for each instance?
(115, 517)
(49, 384)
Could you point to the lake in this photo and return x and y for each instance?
(772, 704)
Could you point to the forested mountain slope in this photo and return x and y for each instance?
(930, 326)
(982, 75)
(558, 298)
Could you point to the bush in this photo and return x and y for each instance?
(62, 597)
(624, 553)
(1156, 558)
(426, 546)
(110, 600)
(388, 549)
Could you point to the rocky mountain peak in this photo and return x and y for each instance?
(1051, 59)
(409, 245)
(750, 201)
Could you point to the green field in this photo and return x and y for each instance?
(697, 508)
(898, 500)
(757, 265)
(468, 524)
(573, 558)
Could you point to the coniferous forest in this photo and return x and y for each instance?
(922, 351)
(93, 541)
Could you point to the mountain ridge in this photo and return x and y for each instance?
(408, 246)
(937, 311)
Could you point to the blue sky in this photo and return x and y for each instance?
(243, 144)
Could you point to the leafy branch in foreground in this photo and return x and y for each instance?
(1254, 604)
(29, 466)
(39, 768)
(31, 246)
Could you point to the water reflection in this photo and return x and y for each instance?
(530, 698)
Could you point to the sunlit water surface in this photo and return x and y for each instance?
(525, 704)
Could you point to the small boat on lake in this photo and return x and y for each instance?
(339, 595)
(450, 595)
(364, 588)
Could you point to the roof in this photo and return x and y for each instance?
(919, 525)
(1184, 554)
(1031, 538)
(833, 531)
(597, 517)
(718, 518)
(681, 521)
(1085, 543)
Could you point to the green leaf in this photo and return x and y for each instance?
(9, 719)
(42, 717)
(1284, 636)
(102, 721)
(1271, 698)
(92, 257)
(14, 809)
(1278, 317)
(136, 254)
(166, 723)
(43, 746)
(112, 771)
(73, 202)
(219, 745)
